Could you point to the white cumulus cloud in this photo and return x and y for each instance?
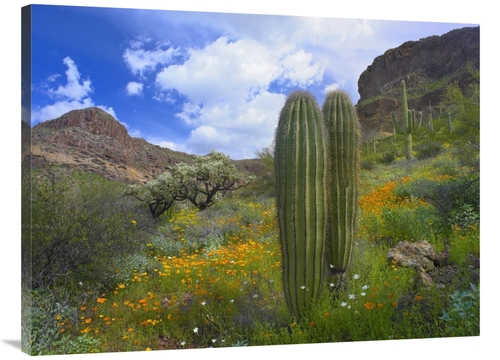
(141, 61)
(227, 85)
(134, 88)
(73, 95)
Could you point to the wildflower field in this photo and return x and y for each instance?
(213, 279)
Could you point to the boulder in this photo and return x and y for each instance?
(419, 255)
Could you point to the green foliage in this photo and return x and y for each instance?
(463, 105)
(159, 194)
(302, 198)
(267, 177)
(407, 224)
(368, 162)
(388, 157)
(462, 316)
(428, 149)
(208, 176)
(48, 327)
(344, 132)
(75, 231)
(456, 200)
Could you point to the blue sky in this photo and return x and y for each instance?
(196, 81)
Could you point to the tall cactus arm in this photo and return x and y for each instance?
(397, 128)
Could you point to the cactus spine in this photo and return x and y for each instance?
(410, 125)
(344, 132)
(302, 172)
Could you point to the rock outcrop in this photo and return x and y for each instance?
(427, 66)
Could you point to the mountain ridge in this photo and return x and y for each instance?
(92, 140)
(428, 66)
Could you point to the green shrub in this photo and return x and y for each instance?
(368, 162)
(49, 327)
(462, 316)
(76, 231)
(428, 150)
(388, 158)
(407, 224)
(456, 200)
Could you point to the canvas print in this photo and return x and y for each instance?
(197, 180)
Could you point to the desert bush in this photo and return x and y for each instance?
(368, 162)
(75, 231)
(49, 327)
(388, 157)
(428, 150)
(456, 200)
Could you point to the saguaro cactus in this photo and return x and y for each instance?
(430, 118)
(409, 126)
(302, 172)
(344, 132)
(448, 121)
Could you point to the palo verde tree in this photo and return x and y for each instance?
(201, 183)
(208, 178)
(158, 194)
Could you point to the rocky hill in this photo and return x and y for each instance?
(427, 66)
(92, 140)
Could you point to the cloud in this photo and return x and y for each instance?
(297, 68)
(74, 89)
(134, 88)
(334, 86)
(141, 61)
(73, 95)
(222, 70)
(168, 144)
(227, 84)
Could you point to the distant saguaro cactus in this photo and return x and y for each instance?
(430, 118)
(344, 133)
(302, 196)
(410, 125)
